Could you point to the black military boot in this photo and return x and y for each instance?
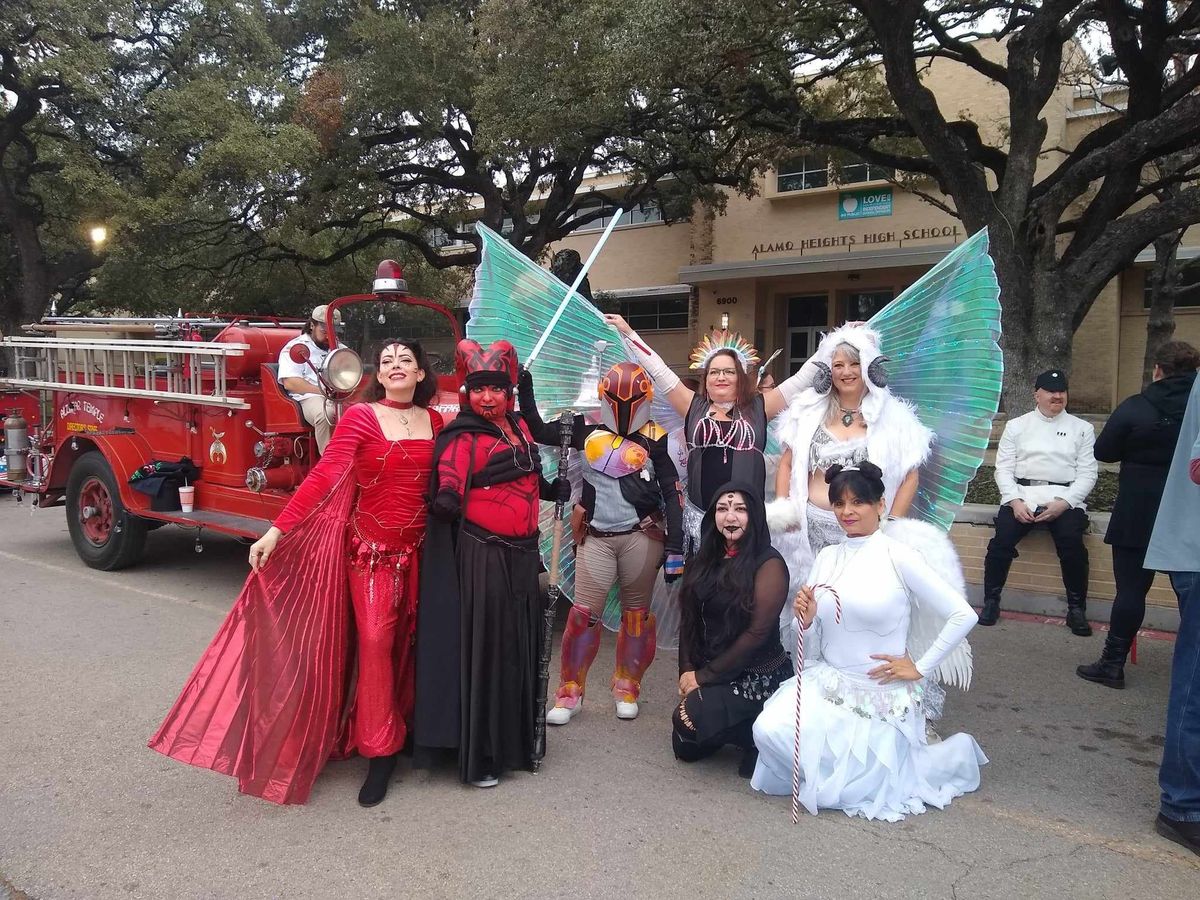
(1077, 615)
(995, 574)
(1109, 669)
(379, 775)
(990, 613)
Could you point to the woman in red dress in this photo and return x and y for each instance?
(268, 702)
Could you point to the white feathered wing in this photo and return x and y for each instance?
(924, 624)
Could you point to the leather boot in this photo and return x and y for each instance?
(581, 640)
(636, 642)
(990, 614)
(1077, 615)
(995, 574)
(1109, 669)
(379, 775)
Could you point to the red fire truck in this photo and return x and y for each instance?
(105, 398)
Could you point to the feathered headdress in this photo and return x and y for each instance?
(724, 342)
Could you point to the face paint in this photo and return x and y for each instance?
(489, 401)
(398, 368)
(731, 516)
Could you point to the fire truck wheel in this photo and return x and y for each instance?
(105, 535)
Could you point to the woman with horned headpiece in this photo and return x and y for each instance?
(845, 416)
(480, 616)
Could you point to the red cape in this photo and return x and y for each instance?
(264, 703)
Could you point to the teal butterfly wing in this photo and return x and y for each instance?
(941, 337)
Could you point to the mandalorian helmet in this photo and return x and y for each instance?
(626, 392)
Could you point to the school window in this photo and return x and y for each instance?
(1190, 279)
(655, 313)
(863, 305)
(645, 213)
(804, 173)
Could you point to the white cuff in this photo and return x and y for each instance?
(793, 387)
(782, 514)
(664, 379)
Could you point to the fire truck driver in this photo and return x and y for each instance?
(300, 379)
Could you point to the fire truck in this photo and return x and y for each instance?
(93, 402)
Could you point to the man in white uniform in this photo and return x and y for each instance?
(1045, 469)
(299, 379)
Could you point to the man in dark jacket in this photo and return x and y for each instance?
(1140, 435)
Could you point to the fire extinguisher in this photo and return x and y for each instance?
(16, 445)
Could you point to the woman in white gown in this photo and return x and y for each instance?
(867, 604)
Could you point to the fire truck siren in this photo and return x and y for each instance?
(389, 278)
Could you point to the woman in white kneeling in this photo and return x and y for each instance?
(871, 606)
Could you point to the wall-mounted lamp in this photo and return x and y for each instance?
(724, 321)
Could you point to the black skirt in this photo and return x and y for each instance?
(501, 625)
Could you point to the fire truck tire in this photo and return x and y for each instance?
(105, 535)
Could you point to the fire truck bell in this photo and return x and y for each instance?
(389, 278)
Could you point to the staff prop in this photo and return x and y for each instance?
(566, 428)
(837, 617)
(562, 307)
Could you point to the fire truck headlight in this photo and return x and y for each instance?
(344, 369)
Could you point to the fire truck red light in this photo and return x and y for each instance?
(389, 278)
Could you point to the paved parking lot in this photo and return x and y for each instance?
(90, 662)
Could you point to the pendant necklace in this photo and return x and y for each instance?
(398, 405)
(848, 415)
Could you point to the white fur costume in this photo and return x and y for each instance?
(897, 442)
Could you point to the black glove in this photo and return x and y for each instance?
(524, 379)
(446, 506)
(561, 488)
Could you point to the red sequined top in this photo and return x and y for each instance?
(392, 478)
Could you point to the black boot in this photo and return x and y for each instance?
(995, 574)
(990, 614)
(1077, 615)
(379, 776)
(1109, 669)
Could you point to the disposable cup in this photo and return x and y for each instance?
(187, 498)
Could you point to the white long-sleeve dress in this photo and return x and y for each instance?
(862, 744)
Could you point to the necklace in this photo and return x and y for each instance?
(396, 406)
(514, 445)
(722, 405)
(847, 414)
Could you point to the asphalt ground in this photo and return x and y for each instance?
(91, 661)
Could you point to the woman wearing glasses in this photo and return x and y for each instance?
(725, 419)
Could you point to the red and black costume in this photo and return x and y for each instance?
(265, 702)
(481, 609)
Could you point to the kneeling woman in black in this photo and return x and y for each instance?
(730, 657)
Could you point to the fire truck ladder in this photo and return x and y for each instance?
(116, 367)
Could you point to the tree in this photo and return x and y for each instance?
(1062, 221)
(90, 95)
(430, 116)
(1169, 281)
